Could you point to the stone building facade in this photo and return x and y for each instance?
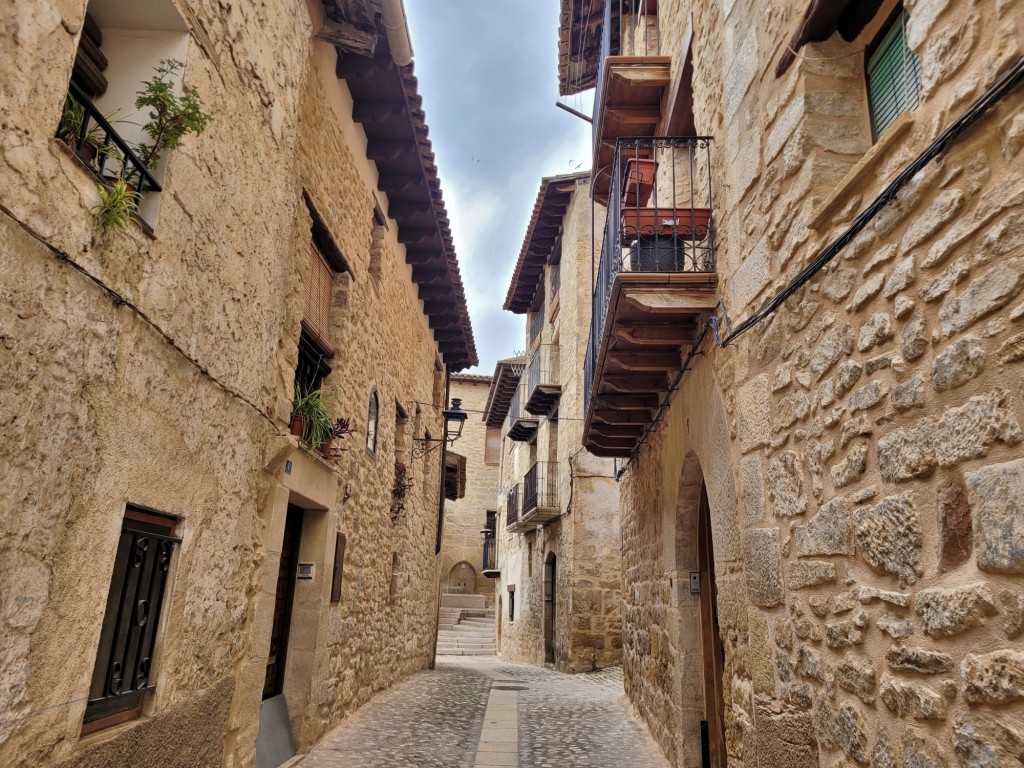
(558, 531)
(823, 517)
(148, 379)
(462, 549)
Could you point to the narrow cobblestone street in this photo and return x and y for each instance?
(483, 712)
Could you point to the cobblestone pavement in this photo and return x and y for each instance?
(537, 718)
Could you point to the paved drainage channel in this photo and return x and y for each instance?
(499, 739)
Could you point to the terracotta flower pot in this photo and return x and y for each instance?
(639, 181)
(684, 223)
(298, 425)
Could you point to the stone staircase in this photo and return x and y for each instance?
(466, 632)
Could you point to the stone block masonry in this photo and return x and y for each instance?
(871, 614)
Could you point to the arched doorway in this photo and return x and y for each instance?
(549, 608)
(698, 646)
(462, 579)
(712, 651)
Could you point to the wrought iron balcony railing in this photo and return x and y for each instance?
(540, 489)
(522, 425)
(659, 220)
(512, 507)
(536, 324)
(490, 558)
(543, 385)
(84, 128)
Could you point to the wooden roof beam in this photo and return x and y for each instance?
(646, 361)
(377, 112)
(390, 149)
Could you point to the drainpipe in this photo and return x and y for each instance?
(397, 29)
(440, 507)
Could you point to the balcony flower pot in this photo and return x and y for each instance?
(639, 181)
(298, 425)
(684, 223)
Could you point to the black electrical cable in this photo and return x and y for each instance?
(1010, 79)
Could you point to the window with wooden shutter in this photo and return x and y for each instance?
(339, 563)
(893, 74)
(492, 446)
(319, 284)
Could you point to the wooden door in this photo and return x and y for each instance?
(711, 638)
(274, 681)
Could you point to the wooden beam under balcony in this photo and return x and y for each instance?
(629, 104)
(390, 149)
(404, 209)
(651, 321)
(399, 183)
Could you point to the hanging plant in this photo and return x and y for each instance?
(399, 491)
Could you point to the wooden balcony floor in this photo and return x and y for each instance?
(652, 320)
(630, 105)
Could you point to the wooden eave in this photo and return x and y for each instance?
(387, 104)
(629, 104)
(579, 45)
(503, 386)
(652, 321)
(541, 236)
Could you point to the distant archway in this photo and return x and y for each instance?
(550, 577)
(462, 579)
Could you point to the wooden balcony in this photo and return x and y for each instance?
(655, 283)
(631, 81)
(522, 425)
(543, 385)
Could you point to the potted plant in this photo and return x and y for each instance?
(342, 428)
(171, 117)
(311, 409)
(116, 208)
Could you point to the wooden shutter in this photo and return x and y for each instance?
(339, 562)
(319, 284)
(894, 77)
(492, 446)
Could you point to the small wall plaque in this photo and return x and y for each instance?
(306, 571)
(695, 582)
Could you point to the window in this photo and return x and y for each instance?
(124, 672)
(492, 446)
(120, 47)
(893, 75)
(339, 562)
(511, 604)
(371, 423)
(312, 367)
(316, 319)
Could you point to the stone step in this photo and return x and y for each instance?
(465, 651)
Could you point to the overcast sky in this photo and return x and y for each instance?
(488, 75)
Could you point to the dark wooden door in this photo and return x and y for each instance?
(274, 682)
(711, 638)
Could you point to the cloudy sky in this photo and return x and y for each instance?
(487, 73)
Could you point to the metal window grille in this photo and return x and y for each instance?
(124, 660)
(894, 76)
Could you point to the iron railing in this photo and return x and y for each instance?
(659, 219)
(124, 664)
(536, 324)
(556, 280)
(512, 506)
(540, 487)
(543, 368)
(490, 559)
(97, 144)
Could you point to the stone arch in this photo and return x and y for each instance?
(462, 579)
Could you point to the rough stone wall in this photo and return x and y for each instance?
(156, 370)
(464, 518)
(585, 540)
(861, 449)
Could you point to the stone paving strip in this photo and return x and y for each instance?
(481, 711)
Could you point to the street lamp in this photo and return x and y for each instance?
(454, 420)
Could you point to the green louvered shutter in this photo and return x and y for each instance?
(894, 77)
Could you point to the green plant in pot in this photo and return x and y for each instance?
(117, 207)
(89, 144)
(311, 410)
(171, 117)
